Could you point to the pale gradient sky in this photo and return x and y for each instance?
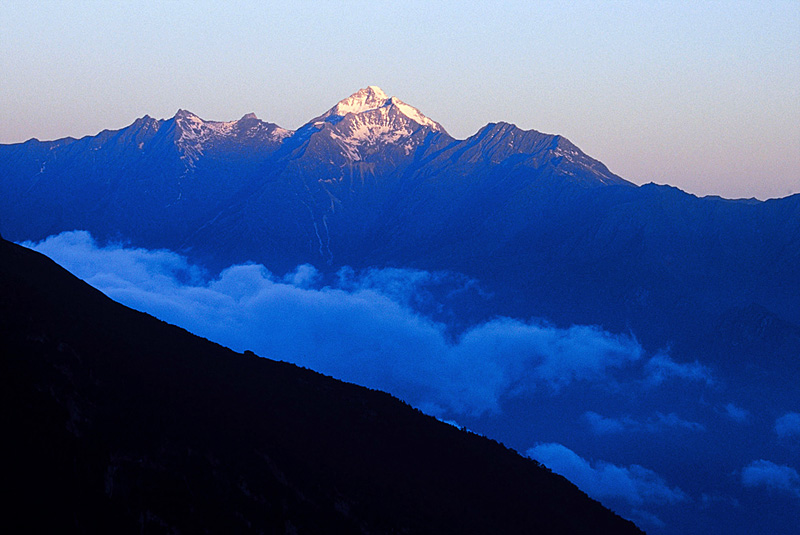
(701, 95)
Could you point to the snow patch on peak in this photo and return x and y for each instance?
(575, 156)
(193, 133)
(186, 114)
(372, 100)
(362, 100)
(376, 90)
(414, 114)
(192, 127)
(279, 134)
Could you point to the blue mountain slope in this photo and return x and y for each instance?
(374, 182)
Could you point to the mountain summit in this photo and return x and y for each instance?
(372, 99)
(362, 100)
(193, 135)
(368, 126)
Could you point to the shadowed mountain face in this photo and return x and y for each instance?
(115, 422)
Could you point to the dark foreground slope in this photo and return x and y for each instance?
(115, 422)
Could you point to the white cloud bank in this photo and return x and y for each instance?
(363, 328)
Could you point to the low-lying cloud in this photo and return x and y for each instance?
(599, 479)
(381, 328)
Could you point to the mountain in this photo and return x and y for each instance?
(170, 183)
(138, 174)
(550, 231)
(115, 422)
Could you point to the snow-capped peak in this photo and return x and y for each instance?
(370, 99)
(192, 127)
(366, 121)
(193, 134)
(362, 100)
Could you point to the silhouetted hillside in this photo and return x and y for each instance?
(115, 422)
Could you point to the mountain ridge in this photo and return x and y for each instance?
(197, 170)
(529, 214)
(363, 102)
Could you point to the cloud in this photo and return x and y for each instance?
(661, 368)
(379, 328)
(411, 287)
(735, 413)
(116, 266)
(601, 425)
(634, 484)
(780, 477)
(671, 421)
(788, 425)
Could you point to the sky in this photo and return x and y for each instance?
(701, 95)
